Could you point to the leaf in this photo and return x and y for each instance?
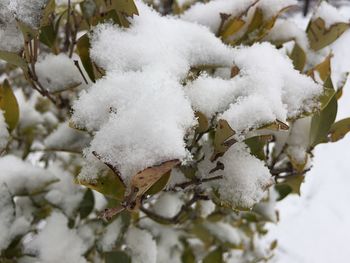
(294, 182)
(256, 145)
(319, 36)
(223, 132)
(188, 255)
(214, 256)
(145, 179)
(48, 10)
(322, 121)
(120, 9)
(256, 22)
(48, 35)
(107, 184)
(117, 257)
(232, 27)
(339, 129)
(323, 69)
(203, 123)
(275, 126)
(298, 57)
(28, 32)
(14, 59)
(8, 103)
(83, 46)
(159, 185)
(87, 204)
(328, 93)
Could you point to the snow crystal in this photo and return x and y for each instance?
(168, 204)
(4, 135)
(110, 235)
(56, 243)
(142, 246)
(329, 14)
(21, 177)
(57, 72)
(245, 178)
(64, 194)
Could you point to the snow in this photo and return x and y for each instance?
(4, 135)
(57, 243)
(64, 194)
(245, 178)
(224, 232)
(142, 247)
(10, 225)
(110, 235)
(206, 207)
(329, 14)
(67, 139)
(58, 72)
(168, 204)
(285, 30)
(21, 177)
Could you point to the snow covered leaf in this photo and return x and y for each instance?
(203, 123)
(256, 145)
(339, 130)
(323, 69)
(232, 27)
(320, 36)
(159, 185)
(298, 57)
(121, 9)
(276, 126)
(322, 122)
(9, 105)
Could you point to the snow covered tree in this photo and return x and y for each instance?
(158, 131)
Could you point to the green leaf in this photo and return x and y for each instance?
(117, 257)
(283, 190)
(48, 35)
(8, 103)
(188, 255)
(256, 145)
(214, 256)
(323, 69)
(28, 32)
(83, 46)
(339, 130)
(322, 122)
(223, 132)
(87, 204)
(107, 184)
(159, 185)
(275, 126)
(14, 59)
(298, 57)
(319, 36)
(256, 22)
(294, 182)
(328, 93)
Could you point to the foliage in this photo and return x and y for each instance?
(190, 220)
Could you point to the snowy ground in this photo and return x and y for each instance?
(316, 226)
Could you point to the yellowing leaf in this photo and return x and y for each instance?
(339, 130)
(323, 69)
(203, 123)
(14, 59)
(232, 27)
(298, 57)
(276, 126)
(320, 36)
(8, 103)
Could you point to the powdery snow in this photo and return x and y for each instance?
(56, 243)
(245, 178)
(142, 247)
(110, 235)
(58, 72)
(21, 177)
